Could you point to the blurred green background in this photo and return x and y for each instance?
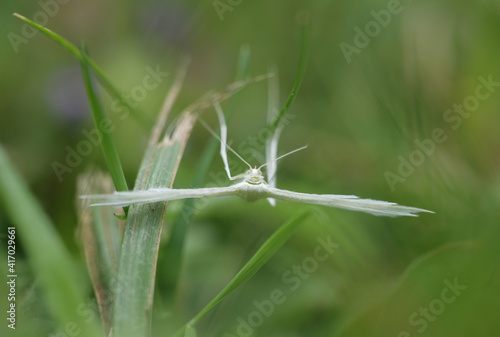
(361, 116)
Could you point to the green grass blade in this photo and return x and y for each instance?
(103, 79)
(242, 73)
(59, 280)
(61, 41)
(137, 267)
(170, 260)
(190, 331)
(243, 68)
(101, 234)
(102, 126)
(300, 74)
(422, 282)
(265, 252)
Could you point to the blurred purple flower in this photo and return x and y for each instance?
(168, 21)
(65, 93)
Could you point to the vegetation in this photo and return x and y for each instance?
(399, 101)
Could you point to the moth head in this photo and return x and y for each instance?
(254, 176)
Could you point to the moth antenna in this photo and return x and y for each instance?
(224, 156)
(284, 155)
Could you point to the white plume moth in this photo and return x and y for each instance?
(252, 186)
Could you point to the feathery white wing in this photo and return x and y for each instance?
(223, 138)
(272, 142)
(223, 141)
(122, 199)
(350, 202)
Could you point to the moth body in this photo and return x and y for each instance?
(253, 187)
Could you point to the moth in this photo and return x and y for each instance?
(252, 185)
